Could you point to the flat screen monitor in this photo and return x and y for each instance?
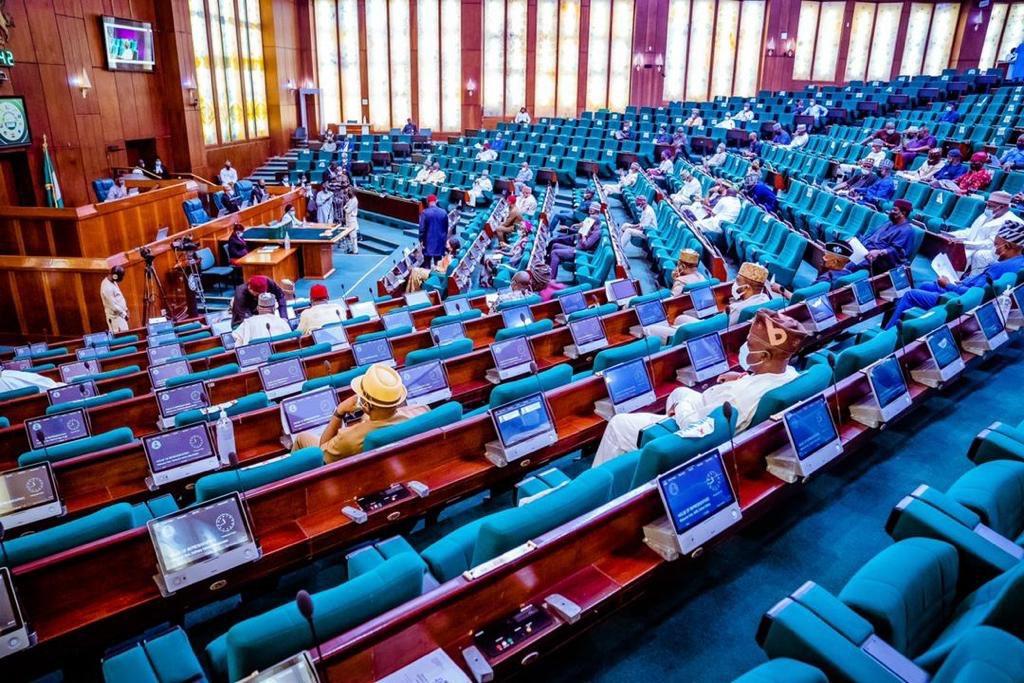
(162, 338)
(31, 350)
(227, 340)
(517, 316)
(707, 352)
(72, 392)
(361, 308)
(864, 291)
(220, 327)
(943, 347)
(523, 419)
(620, 291)
(651, 312)
(570, 303)
(425, 382)
(332, 334)
(308, 410)
(810, 427)
(20, 364)
(281, 376)
(900, 278)
(418, 298)
(89, 352)
(97, 339)
(989, 319)
(296, 669)
(699, 500)
(202, 541)
(456, 306)
(28, 494)
(820, 308)
(69, 372)
(629, 385)
(703, 300)
(888, 383)
(129, 44)
(511, 353)
(253, 354)
(178, 399)
(180, 452)
(51, 430)
(159, 355)
(11, 619)
(161, 327)
(447, 333)
(159, 375)
(393, 321)
(212, 319)
(587, 331)
(373, 351)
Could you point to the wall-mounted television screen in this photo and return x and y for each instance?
(129, 44)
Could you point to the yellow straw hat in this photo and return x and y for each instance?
(381, 386)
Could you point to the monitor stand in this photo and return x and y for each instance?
(978, 344)
(572, 351)
(33, 514)
(501, 456)
(607, 410)
(855, 308)
(16, 641)
(499, 375)
(930, 375)
(891, 294)
(288, 390)
(432, 397)
(660, 537)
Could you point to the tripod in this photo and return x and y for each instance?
(153, 288)
(189, 266)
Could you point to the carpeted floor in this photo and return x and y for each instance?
(703, 628)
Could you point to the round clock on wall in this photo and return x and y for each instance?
(13, 122)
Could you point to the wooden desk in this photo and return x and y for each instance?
(315, 240)
(278, 264)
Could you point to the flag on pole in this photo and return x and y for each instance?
(53, 195)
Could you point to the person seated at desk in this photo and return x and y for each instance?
(745, 114)
(926, 171)
(951, 170)
(627, 179)
(579, 213)
(725, 122)
(259, 192)
(266, 323)
(378, 400)
(887, 247)
(800, 138)
(525, 174)
(663, 170)
(587, 237)
(773, 339)
(887, 134)
(694, 120)
(118, 191)
(288, 220)
(625, 131)
(978, 238)
(689, 190)
(882, 189)
(760, 192)
(717, 159)
(423, 175)
(436, 175)
(686, 271)
(18, 379)
(681, 143)
(917, 143)
(237, 247)
(230, 202)
(1013, 158)
(520, 287)
(418, 274)
(513, 221)
(1009, 245)
(976, 178)
(481, 185)
(410, 128)
(329, 144)
(648, 220)
(754, 146)
(663, 137)
(486, 153)
(321, 311)
(725, 210)
(950, 115)
(527, 202)
(498, 143)
(245, 302)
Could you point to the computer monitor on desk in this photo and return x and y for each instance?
(512, 358)
(890, 395)
(97, 340)
(707, 359)
(374, 351)
(45, 432)
(426, 383)
(28, 495)
(570, 303)
(14, 632)
(523, 426)
(823, 316)
(703, 300)
(283, 378)
(393, 321)
(944, 362)
(863, 298)
(813, 440)
(629, 388)
(333, 334)
(517, 316)
(72, 392)
(306, 411)
(991, 332)
(651, 313)
(899, 279)
(178, 399)
(457, 306)
(620, 291)
(447, 333)
(417, 298)
(159, 375)
(180, 453)
(253, 354)
(699, 500)
(161, 354)
(361, 308)
(587, 335)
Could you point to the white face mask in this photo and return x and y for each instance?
(747, 357)
(989, 213)
(737, 290)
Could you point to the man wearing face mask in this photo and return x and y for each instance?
(888, 135)
(378, 400)
(978, 239)
(771, 342)
(1013, 158)
(951, 115)
(748, 289)
(1008, 248)
(114, 305)
(953, 168)
(882, 189)
(926, 171)
(888, 246)
(977, 177)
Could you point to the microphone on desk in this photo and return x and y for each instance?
(727, 413)
(305, 604)
(269, 334)
(41, 441)
(233, 464)
(831, 359)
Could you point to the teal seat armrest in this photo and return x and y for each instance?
(102, 399)
(202, 376)
(72, 449)
(833, 612)
(441, 416)
(245, 478)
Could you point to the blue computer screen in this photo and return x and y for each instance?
(55, 429)
(424, 378)
(702, 298)
(651, 312)
(989, 320)
(522, 419)
(623, 290)
(820, 308)
(519, 316)
(571, 303)
(200, 533)
(96, 339)
(943, 347)
(178, 447)
(899, 277)
(811, 427)
(72, 392)
(253, 354)
(159, 328)
(162, 354)
(179, 399)
(398, 319)
(282, 374)
(310, 409)
(706, 351)
(160, 374)
(456, 306)
(887, 380)
(447, 333)
(864, 291)
(373, 351)
(586, 330)
(331, 334)
(627, 381)
(696, 490)
(511, 353)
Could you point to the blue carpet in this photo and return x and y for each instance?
(700, 624)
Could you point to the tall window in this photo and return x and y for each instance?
(872, 41)
(504, 86)
(817, 40)
(227, 42)
(1005, 31)
(609, 54)
(930, 32)
(558, 50)
(714, 48)
(389, 62)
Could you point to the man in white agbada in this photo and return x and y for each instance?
(481, 184)
(771, 342)
(423, 175)
(17, 379)
(744, 114)
(436, 175)
(526, 202)
(725, 210)
(628, 179)
(266, 322)
(979, 239)
(688, 192)
(648, 220)
(324, 205)
(748, 289)
(114, 306)
(486, 153)
(321, 311)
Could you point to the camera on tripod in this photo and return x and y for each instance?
(185, 244)
(147, 255)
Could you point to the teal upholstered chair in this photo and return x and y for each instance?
(783, 670)
(915, 328)
(245, 404)
(187, 327)
(204, 375)
(240, 479)
(384, 334)
(92, 401)
(194, 336)
(859, 356)
(19, 392)
(359, 319)
(114, 353)
(537, 327)
(809, 292)
(715, 323)
(165, 658)
(4, 423)
(603, 309)
(441, 416)
(263, 640)
(91, 444)
(458, 317)
(627, 352)
(651, 296)
(109, 374)
(205, 353)
(555, 376)
(749, 312)
(513, 303)
(314, 350)
(339, 380)
(810, 382)
(662, 453)
(455, 348)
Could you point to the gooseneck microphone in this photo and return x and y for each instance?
(727, 412)
(305, 604)
(41, 440)
(831, 359)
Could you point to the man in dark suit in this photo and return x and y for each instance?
(433, 231)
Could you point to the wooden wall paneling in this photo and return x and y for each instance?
(472, 62)
(414, 64)
(531, 57)
(581, 83)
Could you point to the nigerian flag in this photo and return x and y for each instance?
(53, 196)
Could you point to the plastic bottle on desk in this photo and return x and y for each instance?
(225, 435)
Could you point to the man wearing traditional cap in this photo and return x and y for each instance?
(579, 213)
(433, 231)
(926, 171)
(423, 175)
(244, 303)
(1008, 248)
(436, 175)
(266, 322)
(321, 311)
(527, 202)
(378, 401)
(513, 220)
(888, 246)
(525, 174)
(686, 271)
(486, 153)
(627, 179)
(586, 239)
(882, 189)
(888, 135)
(977, 178)
(725, 210)
(520, 287)
(482, 185)
(800, 137)
(771, 342)
(917, 143)
(689, 190)
(648, 220)
(978, 239)
(324, 200)
(951, 170)
(760, 192)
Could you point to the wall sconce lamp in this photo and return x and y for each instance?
(82, 83)
(649, 60)
(977, 20)
(290, 85)
(191, 92)
(770, 47)
(790, 48)
(470, 87)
